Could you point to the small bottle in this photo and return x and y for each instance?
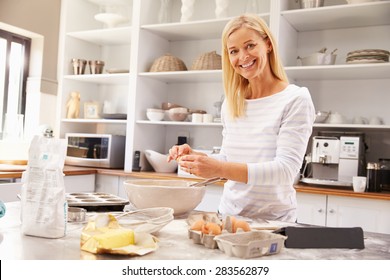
(373, 184)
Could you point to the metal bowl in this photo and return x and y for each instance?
(305, 4)
(76, 214)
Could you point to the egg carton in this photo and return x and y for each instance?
(96, 201)
(201, 238)
(250, 244)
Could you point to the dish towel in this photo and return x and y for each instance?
(2, 209)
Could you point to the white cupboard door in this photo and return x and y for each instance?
(79, 183)
(370, 214)
(311, 209)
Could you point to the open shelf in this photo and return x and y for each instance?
(108, 121)
(340, 72)
(179, 123)
(185, 76)
(194, 30)
(340, 16)
(107, 36)
(112, 79)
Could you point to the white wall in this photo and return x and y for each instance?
(39, 20)
(42, 17)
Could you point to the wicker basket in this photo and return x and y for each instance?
(207, 61)
(168, 62)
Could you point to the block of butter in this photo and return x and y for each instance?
(111, 239)
(104, 235)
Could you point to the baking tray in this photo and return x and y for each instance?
(96, 201)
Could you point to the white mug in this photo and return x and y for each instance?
(376, 121)
(336, 118)
(359, 183)
(208, 118)
(197, 118)
(359, 120)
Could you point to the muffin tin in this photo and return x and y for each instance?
(96, 201)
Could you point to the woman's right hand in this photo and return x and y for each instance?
(177, 151)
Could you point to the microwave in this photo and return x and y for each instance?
(95, 150)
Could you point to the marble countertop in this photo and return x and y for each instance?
(173, 244)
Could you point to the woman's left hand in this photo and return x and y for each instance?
(201, 165)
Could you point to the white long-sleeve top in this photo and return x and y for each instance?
(271, 139)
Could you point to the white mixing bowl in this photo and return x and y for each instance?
(176, 194)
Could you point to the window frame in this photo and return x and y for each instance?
(26, 43)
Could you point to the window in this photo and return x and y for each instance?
(14, 62)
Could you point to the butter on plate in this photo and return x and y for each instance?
(104, 235)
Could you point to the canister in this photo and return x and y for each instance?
(373, 182)
(384, 174)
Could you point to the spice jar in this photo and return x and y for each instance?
(384, 174)
(373, 182)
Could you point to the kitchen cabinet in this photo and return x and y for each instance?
(339, 211)
(350, 89)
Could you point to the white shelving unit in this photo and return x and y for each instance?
(358, 89)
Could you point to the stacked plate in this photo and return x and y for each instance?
(368, 56)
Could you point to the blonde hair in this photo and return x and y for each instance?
(235, 85)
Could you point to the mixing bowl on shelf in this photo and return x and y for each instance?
(178, 114)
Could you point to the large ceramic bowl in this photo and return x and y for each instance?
(175, 194)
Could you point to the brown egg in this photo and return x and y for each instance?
(197, 225)
(228, 223)
(240, 224)
(211, 228)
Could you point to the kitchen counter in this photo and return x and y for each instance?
(301, 187)
(173, 244)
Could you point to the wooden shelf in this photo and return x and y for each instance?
(339, 16)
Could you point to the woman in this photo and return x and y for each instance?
(266, 126)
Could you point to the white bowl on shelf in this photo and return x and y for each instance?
(159, 162)
(155, 115)
(318, 59)
(110, 19)
(359, 1)
(178, 114)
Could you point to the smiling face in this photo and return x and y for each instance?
(248, 53)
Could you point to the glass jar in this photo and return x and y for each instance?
(373, 184)
(384, 174)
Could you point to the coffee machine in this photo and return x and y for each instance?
(335, 160)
